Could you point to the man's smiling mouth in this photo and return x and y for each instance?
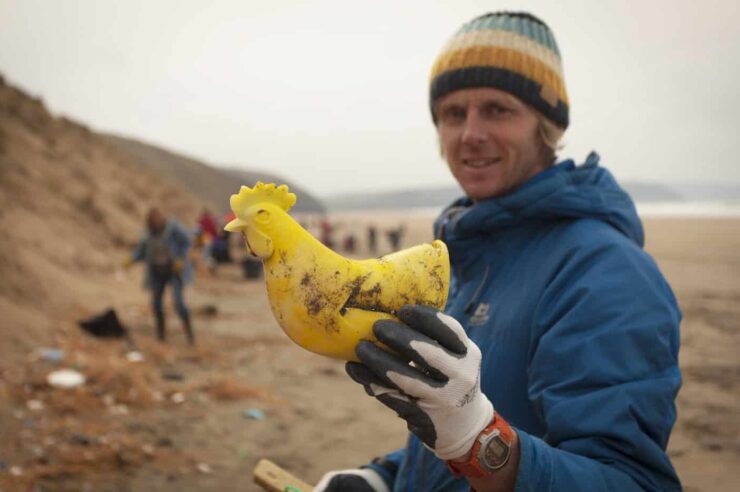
(480, 163)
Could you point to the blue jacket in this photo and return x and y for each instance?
(178, 241)
(579, 333)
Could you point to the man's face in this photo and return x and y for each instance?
(156, 221)
(490, 140)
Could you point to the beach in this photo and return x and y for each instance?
(247, 392)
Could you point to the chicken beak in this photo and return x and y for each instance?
(236, 225)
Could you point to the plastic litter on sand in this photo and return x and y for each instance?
(254, 414)
(65, 379)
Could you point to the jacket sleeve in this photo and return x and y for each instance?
(603, 376)
(387, 467)
(181, 240)
(140, 250)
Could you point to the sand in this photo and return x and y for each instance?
(701, 259)
(127, 430)
(198, 419)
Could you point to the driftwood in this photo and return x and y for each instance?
(274, 479)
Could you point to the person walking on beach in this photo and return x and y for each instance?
(372, 239)
(394, 235)
(164, 248)
(554, 366)
(327, 233)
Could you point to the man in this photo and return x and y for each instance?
(554, 366)
(164, 249)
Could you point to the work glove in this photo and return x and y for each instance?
(352, 480)
(127, 262)
(177, 265)
(432, 380)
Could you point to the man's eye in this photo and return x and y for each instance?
(495, 109)
(452, 115)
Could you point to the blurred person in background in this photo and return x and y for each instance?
(327, 233)
(395, 234)
(555, 364)
(221, 249)
(164, 248)
(208, 232)
(207, 223)
(372, 238)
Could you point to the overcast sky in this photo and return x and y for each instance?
(333, 94)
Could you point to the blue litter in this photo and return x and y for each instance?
(254, 413)
(52, 354)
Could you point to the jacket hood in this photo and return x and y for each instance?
(565, 191)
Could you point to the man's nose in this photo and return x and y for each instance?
(474, 131)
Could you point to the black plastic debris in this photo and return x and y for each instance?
(104, 325)
(172, 375)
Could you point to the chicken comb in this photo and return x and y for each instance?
(278, 195)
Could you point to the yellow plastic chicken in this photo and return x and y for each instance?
(325, 302)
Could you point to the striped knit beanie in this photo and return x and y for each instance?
(511, 51)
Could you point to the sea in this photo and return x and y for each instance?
(677, 209)
(717, 209)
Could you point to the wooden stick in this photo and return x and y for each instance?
(272, 478)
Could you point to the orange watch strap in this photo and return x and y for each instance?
(472, 468)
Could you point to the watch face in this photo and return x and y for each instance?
(494, 453)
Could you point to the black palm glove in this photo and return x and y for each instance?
(353, 480)
(434, 381)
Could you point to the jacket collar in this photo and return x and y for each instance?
(561, 192)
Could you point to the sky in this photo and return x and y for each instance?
(333, 94)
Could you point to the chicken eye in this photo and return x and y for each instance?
(262, 216)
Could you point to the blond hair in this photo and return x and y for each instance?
(548, 130)
(550, 133)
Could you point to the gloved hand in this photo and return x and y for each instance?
(127, 262)
(433, 382)
(352, 480)
(177, 265)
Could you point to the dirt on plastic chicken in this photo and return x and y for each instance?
(325, 302)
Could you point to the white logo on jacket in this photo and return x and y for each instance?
(481, 315)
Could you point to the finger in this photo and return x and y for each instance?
(374, 384)
(383, 364)
(405, 341)
(417, 421)
(436, 325)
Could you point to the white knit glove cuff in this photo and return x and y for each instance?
(480, 418)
